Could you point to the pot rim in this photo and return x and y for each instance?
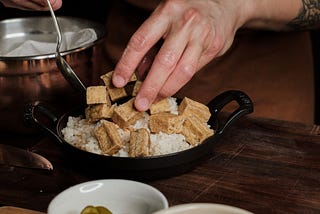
(98, 27)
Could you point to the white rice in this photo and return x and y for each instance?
(173, 105)
(79, 133)
(163, 143)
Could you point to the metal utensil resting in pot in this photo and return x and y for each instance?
(62, 64)
(31, 77)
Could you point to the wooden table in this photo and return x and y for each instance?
(262, 165)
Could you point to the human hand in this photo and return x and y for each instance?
(39, 5)
(193, 32)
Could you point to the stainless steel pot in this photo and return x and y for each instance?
(36, 77)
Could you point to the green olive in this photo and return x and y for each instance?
(95, 210)
(90, 210)
(103, 210)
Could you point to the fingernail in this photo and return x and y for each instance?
(45, 3)
(142, 104)
(118, 81)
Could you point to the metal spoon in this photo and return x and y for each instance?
(62, 64)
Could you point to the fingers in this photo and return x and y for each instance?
(163, 65)
(56, 4)
(38, 5)
(192, 61)
(181, 56)
(145, 64)
(199, 51)
(184, 71)
(149, 33)
(191, 39)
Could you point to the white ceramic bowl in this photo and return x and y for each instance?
(119, 196)
(203, 208)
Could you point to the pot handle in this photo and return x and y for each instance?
(220, 101)
(35, 114)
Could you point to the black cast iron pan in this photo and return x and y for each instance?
(145, 168)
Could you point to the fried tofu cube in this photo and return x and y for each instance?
(195, 131)
(161, 106)
(114, 93)
(136, 88)
(125, 114)
(108, 137)
(97, 95)
(97, 112)
(117, 93)
(107, 78)
(139, 143)
(133, 78)
(190, 107)
(165, 122)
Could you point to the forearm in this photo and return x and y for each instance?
(284, 14)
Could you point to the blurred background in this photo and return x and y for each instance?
(99, 10)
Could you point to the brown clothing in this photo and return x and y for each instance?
(274, 68)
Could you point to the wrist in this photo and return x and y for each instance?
(270, 14)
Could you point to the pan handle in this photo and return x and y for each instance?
(220, 101)
(38, 114)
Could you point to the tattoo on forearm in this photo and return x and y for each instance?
(308, 17)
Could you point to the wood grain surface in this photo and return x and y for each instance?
(17, 210)
(261, 165)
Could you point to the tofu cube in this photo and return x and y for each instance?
(133, 78)
(136, 88)
(125, 114)
(97, 95)
(195, 131)
(165, 122)
(117, 93)
(139, 143)
(108, 137)
(190, 107)
(161, 106)
(114, 93)
(97, 112)
(107, 78)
